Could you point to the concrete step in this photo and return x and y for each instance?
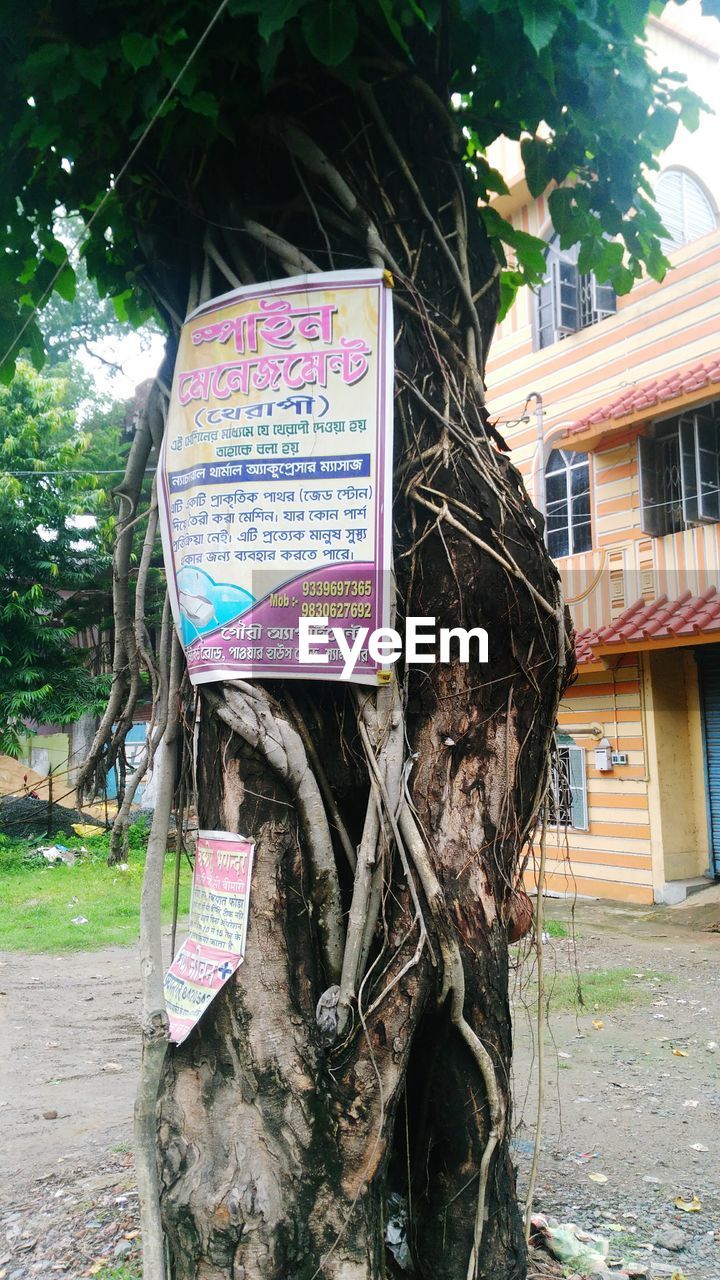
(673, 892)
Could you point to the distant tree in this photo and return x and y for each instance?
(80, 324)
(51, 560)
(60, 676)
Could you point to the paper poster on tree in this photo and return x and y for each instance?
(215, 946)
(276, 473)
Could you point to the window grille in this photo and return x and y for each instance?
(567, 503)
(680, 473)
(566, 300)
(567, 794)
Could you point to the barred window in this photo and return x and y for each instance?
(679, 468)
(567, 796)
(568, 300)
(567, 503)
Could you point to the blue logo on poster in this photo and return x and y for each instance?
(206, 604)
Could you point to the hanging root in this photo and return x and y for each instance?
(251, 713)
(130, 646)
(453, 985)
(540, 1043)
(381, 725)
(154, 1015)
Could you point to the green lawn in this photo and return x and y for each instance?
(602, 991)
(38, 903)
(122, 1271)
(555, 928)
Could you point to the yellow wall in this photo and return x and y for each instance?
(678, 816)
(43, 749)
(613, 858)
(647, 820)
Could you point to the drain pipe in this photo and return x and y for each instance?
(592, 730)
(539, 451)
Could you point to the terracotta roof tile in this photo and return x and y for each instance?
(648, 394)
(660, 619)
(583, 647)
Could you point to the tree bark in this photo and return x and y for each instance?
(364, 1047)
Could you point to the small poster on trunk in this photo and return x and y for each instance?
(218, 928)
(275, 475)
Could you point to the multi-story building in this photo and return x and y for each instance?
(612, 409)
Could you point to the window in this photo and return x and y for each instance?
(567, 503)
(680, 472)
(684, 209)
(567, 796)
(566, 300)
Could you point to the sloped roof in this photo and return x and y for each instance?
(583, 647)
(660, 619)
(645, 396)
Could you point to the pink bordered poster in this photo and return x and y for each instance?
(275, 474)
(218, 928)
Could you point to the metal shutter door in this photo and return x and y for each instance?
(709, 669)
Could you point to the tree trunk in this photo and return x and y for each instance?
(269, 1142)
(363, 1049)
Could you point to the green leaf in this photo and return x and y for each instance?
(66, 283)
(563, 212)
(120, 306)
(91, 64)
(608, 259)
(529, 250)
(510, 282)
(33, 342)
(623, 280)
(43, 136)
(138, 50)
(393, 24)
(174, 37)
(330, 28)
(491, 178)
(632, 15)
(267, 57)
(661, 127)
(275, 15)
(540, 21)
(690, 107)
(64, 86)
(203, 104)
(48, 55)
(537, 160)
(590, 250)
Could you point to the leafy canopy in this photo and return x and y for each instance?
(51, 563)
(82, 81)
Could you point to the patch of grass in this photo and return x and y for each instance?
(602, 991)
(121, 1271)
(38, 903)
(556, 928)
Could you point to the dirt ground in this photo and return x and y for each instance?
(618, 1102)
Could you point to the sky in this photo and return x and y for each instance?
(138, 356)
